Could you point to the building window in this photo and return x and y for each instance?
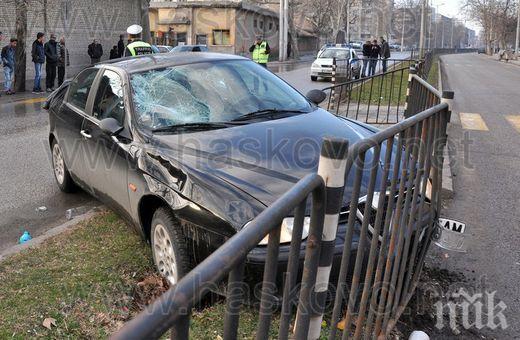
(221, 37)
(255, 23)
(270, 26)
(202, 39)
(261, 25)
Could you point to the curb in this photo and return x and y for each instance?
(37, 241)
(447, 191)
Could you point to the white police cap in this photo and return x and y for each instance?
(134, 29)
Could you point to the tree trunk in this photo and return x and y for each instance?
(145, 20)
(21, 34)
(293, 36)
(45, 17)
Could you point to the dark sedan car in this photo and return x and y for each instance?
(189, 149)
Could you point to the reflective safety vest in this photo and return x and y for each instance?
(259, 53)
(139, 48)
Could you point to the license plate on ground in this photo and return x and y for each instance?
(451, 235)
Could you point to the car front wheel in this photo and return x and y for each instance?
(169, 247)
(314, 78)
(61, 173)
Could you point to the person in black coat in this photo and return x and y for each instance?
(367, 51)
(121, 46)
(51, 62)
(374, 57)
(95, 52)
(38, 58)
(114, 53)
(385, 53)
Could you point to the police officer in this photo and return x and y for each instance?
(137, 46)
(260, 51)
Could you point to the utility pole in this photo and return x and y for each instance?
(423, 26)
(430, 11)
(517, 44)
(348, 23)
(403, 24)
(282, 31)
(452, 28)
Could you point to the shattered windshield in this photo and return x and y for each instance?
(209, 93)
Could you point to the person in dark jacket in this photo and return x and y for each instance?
(51, 65)
(8, 61)
(63, 60)
(38, 58)
(121, 46)
(384, 53)
(374, 57)
(367, 50)
(114, 52)
(95, 52)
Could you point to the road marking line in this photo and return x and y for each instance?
(473, 121)
(31, 101)
(515, 121)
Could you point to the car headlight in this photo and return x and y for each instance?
(287, 229)
(315, 65)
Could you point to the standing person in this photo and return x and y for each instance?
(121, 46)
(374, 57)
(260, 51)
(38, 58)
(385, 53)
(8, 60)
(367, 51)
(63, 60)
(137, 46)
(95, 52)
(114, 53)
(51, 58)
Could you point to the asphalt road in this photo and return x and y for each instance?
(486, 185)
(27, 181)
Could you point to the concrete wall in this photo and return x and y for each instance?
(79, 21)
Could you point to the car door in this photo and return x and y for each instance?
(69, 120)
(107, 156)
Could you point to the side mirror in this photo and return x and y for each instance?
(110, 126)
(316, 96)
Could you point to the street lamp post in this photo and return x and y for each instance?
(403, 23)
(423, 26)
(517, 43)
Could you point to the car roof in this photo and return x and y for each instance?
(162, 60)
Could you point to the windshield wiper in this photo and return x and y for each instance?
(201, 126)
(265, 112)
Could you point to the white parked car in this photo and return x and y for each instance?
(322, 66)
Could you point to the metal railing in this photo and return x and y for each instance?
(373, 208)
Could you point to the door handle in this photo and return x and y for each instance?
(85, 134)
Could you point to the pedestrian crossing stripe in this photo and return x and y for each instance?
(472, 121)
(515, 121)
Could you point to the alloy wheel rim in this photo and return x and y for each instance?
(163, 254)
(59, 165)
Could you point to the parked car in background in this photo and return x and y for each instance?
(164, 48)
(190, 48)
(322, 66)
(180, 146)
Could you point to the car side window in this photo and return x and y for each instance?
(80, 88)
(109, 101)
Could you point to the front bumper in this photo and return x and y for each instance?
(321, 71)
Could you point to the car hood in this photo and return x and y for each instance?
(324, 61)
(263, 160)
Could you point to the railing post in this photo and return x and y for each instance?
(409, 108)
(332, 167)
(333, 80)
(447, 97)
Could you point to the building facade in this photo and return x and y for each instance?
(224, 26)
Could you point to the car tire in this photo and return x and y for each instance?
(60, 170)
(169, 247)
(314, 78)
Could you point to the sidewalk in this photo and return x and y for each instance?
(26, 97)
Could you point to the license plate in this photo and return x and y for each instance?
(451, 235)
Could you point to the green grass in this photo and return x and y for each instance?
(382, 90)
(84, 279)
(433, 76)
(87, 280)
